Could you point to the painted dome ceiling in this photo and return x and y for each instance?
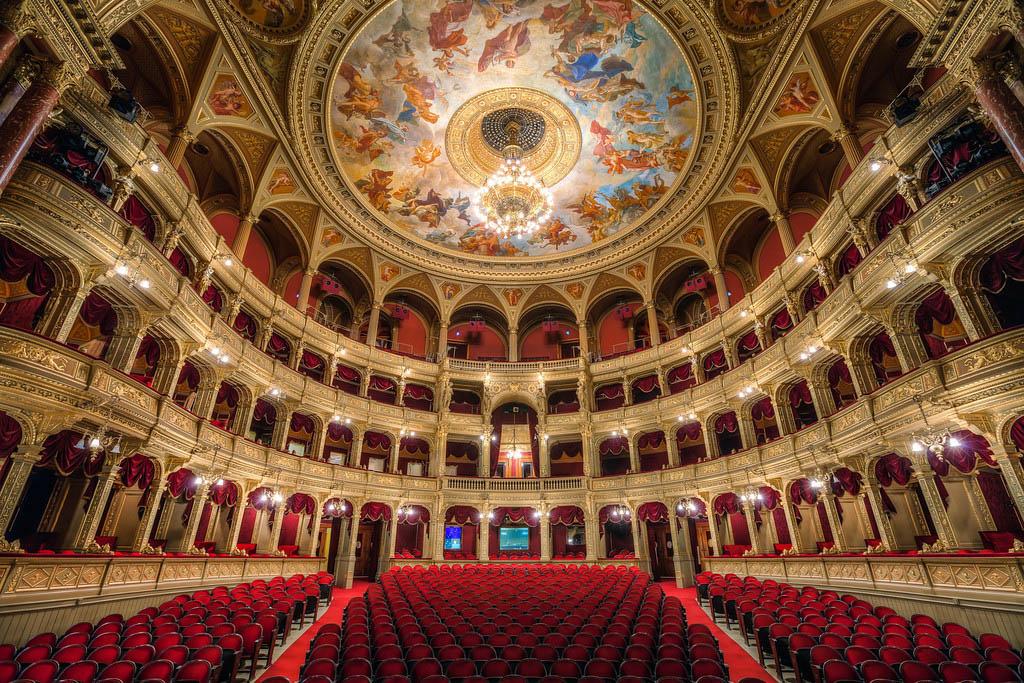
(415, 89)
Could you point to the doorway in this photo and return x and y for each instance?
(659, 537)
(368, 544)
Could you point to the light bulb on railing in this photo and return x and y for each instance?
(220, 482)
(917, 446)
(278, 498)
(891, 284)
(154, 166)
(229, 262)
(953, 442)
(94, 442)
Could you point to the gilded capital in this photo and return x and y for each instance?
(59, 75)
(16, 18)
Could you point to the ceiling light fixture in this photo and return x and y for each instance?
(513, 202)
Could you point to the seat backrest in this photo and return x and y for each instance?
(157, 670)
(43, 671)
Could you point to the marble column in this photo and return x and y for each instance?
(21, 463)
(302, 303)
(396, 446)
(1009, 468)
(544, 456)
(682, 560)
(145, 528)
(307, 539)
(484, 461)
(345, 567)
(795, 539)
(188, 538)
(634, 456)
(90, 523)
(241, 241)
(716, 541)
(231, 542)
(1014, 74)
(483, 552)
(672, 446)
(14, 22)
(832, 513)
(545, 536)
(652, 324)
(355, 452)
(755, 537)
(782, 224)
(847, 139)
(442, 340)
(17, 83)
(29, 116)
(593, 536)
(943, 528)
(371, 329)
(887, 536)
(181, 138)
(513, 344)
(721, 289)
(436, 545)
(581, 325)
(587, 445)
(267, 544)
(999, 103)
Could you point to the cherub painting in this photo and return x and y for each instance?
(416, 62)
(227, 99)
(800, 96)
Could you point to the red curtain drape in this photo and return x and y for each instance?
(615, 446)
(814, 295)
(715, 360)
(97, 312)
(419, 393)
(302, 423)
(651, 440)
(227, 394)
(652, 512)
(892, 215)
(245, 326)
(61, 451)
(412, 446)
(312, 365)
(893, 469)
(182, 484)
(845, 480)
(800, 395)
(1017, 433)
(375, 512)
(699, 511)
(647, 384)
(609, 392)
(566, 515)
(10, 434)
(850, 259)
(180, 261)
(801, 492)
(338, 433)
(336, 508)
(726, 503)
(348, 374)
(18, 263)
(763, 410)
(264, 413)
(973, 447)
(224, 494)
(748, 345)
(936, 309)
(213, 298)
(382, 384)
(515, 515)
(681, 378)
(462, 515)
(375, 441)
(769, 500)
(139, 215)
(726, 422)
(782, 322)
(137, 470)
(414, 514)
(278, 347)
(999, 502)
(1006, 264)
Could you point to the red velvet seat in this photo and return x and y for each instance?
(157, 670)
(994, 672)
(80, 672)
(118, 671)
(874, 670)
(955, 672)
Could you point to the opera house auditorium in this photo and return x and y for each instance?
(506, 341)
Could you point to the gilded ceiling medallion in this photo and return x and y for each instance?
(754, 19)
(273, 20)
(550, 157)
(413, 89)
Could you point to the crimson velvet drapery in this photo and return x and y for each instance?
(681, 378)
(213, 298)
(973, 447)
(728, 505)
(934, 317)
(646, 388)
(727, 431)
(182, 484)
(225, 493)
(18, 264)
(609, 397)
(849, 260)
(375, 512)
(313, 366)
(614, 456)
(347, 379)
(803, 407)
(563, 402)
(840, 384)
(503, 516)
(65, 452)
(137, 470)
(892, 215)
(781, 324)
(884, 361)
(690, 442)
(715, 363)
(1004, 265)
(279, 348)
(139, 215)
(418, 397)
(814, 296)
(10, 434)
(245, 325)
(748, 346)
(766, 427)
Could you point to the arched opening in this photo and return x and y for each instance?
(374, 529)
(411, 527)
(840, 384)
(376, 453)
(514, 451)
(126, 506)
(214, 298)
(613, 319)
(692, 517)
(300, 438)
(279, 347)
(727, 433)
(335, 527)
(478, 333)
(464, 401)
(566, 459)
(563, 401)
(848, 260)
(802, 406)
(382, 389)
(810, 516)
(715, 363)
(338, 291)
(221, 508)
(514, 533)
(347, 379)
(337, 444)
(300, 515)
(613, 454)
(568, 533)
(731, 521)
(25, 288)
(755, 246)
(766, 427)
(225, 408)
(652, 450)
(814, 295)
(245, 326)
(902, 503)
(770, 520)
(654, 517)
(609, 397)
(264, 421)
(176, 508)
(647, 388)
(143, 369)
(413, 456)
(780, 323)
(461, 532)
(615, 525)
(1002, 281)
(312, 365)
(885, 364)
(939, 325)
(462, 459)
(94, 326)
(893, 214)
(690, 442)
(687, 291)
(408, 325)
(548, 333)
(747, 346)
(846, 491)
(418, 397)
(681, 378)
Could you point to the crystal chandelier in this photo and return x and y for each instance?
(513, 202)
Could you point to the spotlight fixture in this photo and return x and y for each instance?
(934, 441)
(751, 495)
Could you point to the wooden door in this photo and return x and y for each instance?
(368, 549)
(702, 533)
(658, 538)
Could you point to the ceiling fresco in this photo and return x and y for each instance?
(609, 63)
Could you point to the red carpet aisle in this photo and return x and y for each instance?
(741, 664)
(290, 660)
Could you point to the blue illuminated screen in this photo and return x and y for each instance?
(514, 538)
(453, 538)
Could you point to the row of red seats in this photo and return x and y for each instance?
(532, 622)
(200, 638)
(826, 637)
